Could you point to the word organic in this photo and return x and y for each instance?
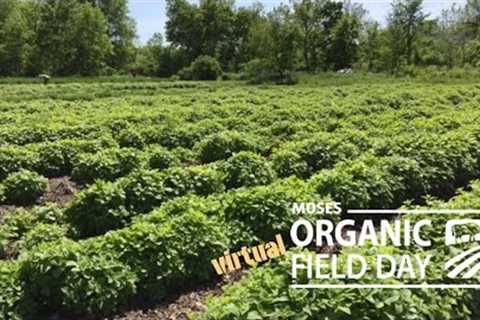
(251, 256)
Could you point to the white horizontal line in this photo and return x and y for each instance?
(385, 286)
(402, 211)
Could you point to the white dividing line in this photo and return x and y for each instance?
(405, 211)
(385, 286)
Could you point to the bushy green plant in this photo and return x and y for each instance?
(173, 252)
(97, 285)
(289, 163)
(98, 209)
(41, 233)
(146, 248)
(16, 224)
(223, 145)
(13, 303)
(107, 165)
(130, 138)
(13, 159)
(202, 68)
(356, 185)
(160, 158)
(198, 239)
(52, 160)
(184, 155)
(247, 169)
(24, 187)
(45, 270)
(322, 151)
(180, 181)
(65, 277)
(143, 190)
(258, 71)
(185, 73)
(443, 172)
(56, 158)
(266, 211)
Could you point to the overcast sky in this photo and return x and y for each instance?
(150, 14)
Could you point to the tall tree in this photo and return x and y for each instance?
(345, 41)
(472, 18)
(53, 41)
(183, 27)
(216, 23)
(68, 37)
(122, 32)
(371, 46)
(14, 34)
(451, 37)
(92, 44)
(405, 23)
(317, 18)
(285, 36)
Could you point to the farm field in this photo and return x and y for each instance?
(119, 192)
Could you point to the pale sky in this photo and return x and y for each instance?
(150, 14)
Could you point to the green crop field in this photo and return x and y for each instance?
(115, 192)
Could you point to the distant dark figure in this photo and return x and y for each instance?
(45, 78)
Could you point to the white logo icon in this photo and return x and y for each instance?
(467, 262)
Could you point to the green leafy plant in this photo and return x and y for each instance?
(247, 169)
(107, 165)
(223, 145)
(160, 159)
(289, 163)
(98, 209)
(202, 68)
(24, 187)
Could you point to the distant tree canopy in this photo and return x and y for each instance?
(91, 37)
(314, 35)
(65, 37)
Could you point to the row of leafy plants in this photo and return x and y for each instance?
(173, 246)
(112, 205)
(182, 120)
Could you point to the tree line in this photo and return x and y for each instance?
(65, 37)
(91, 37)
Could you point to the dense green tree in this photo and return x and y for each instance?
(472, 53)
(14, 33)
(285, 41)
(183, 26)
(371, 47)
(53, 39)
(259, 40)
(405, 22)
(92, 44)
(121, 30)
(68, 37)
(472, 18)
(237, 50)
(451, 38)
(345, 41)
(159, 60)
(316, 19)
